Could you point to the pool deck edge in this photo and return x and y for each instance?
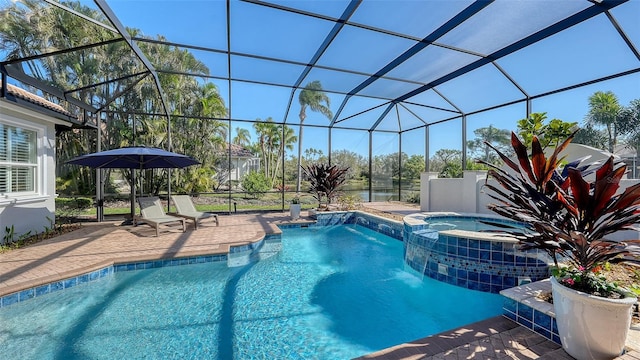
(98, 245)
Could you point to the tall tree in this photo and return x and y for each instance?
(604, 109)
(356, 163)
(29, 28)
(271, 145)
(630, 124)
(447, 163)
(243, 137)
(413, 167)
(314, 98)
(500, 138)
(286, 144)
(549, 134)
(590, 136)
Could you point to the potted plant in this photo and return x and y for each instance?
(570, 217)
(325, 181)
(294, 207)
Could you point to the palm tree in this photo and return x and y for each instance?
(243, 137)
(315, 99)
(284, 144)
(604, 109)
(267, 140)
(630, 124)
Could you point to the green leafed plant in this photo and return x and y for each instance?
(256, 184)
(568, 216)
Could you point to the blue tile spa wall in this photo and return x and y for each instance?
(476, 264)
(105, 272)
(532, 319)
(385, 226)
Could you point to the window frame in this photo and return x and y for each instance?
(38, 166)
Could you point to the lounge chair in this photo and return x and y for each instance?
(153, 214)
(185, 209)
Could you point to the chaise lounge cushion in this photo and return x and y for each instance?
(152, 213)
(186, 209)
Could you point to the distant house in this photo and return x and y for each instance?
(28, 125)
(243, 161)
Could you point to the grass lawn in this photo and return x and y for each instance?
(205, 202)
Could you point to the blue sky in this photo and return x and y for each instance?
(543, 67)
(589, 51)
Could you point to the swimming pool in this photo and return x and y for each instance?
(333, 292)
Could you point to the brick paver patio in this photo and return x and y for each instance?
(97, 245)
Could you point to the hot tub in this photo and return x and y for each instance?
(462, 250)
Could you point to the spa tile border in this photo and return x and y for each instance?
(523, 305)
(472, 260)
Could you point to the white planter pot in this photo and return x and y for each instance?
(294, 211)
(591, 327)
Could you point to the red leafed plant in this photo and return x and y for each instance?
(325, 180)
(568, 216)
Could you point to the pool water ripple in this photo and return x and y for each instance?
(331, 293)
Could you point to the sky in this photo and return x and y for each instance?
(590, 50)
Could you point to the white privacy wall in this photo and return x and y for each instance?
(457, 195)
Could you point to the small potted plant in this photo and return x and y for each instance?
(294, 207)
(570, 217)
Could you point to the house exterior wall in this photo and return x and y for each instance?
(34, 211)
(242, 166)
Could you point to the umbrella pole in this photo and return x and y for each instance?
(133, 194)
(169, 190)
(100, 195)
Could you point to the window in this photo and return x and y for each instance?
(18, 159)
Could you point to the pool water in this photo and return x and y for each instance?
(468, 224)
(331, 293)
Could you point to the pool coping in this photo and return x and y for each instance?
(61, 276)
(149, 248)
(418, 219)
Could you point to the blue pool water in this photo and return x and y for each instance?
(441, 223)
(330, 293)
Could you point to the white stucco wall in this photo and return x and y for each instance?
(457, 195)
(29, 212)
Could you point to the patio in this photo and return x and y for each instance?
(97, 245)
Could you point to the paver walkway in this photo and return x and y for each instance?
(494, 338)
(97, 245)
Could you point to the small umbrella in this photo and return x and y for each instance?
(135, 157)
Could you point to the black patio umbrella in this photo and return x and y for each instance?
(135, 157)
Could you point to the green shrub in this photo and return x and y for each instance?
(256, 184)
(412, 197)
(349, 202)
(74, 203)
